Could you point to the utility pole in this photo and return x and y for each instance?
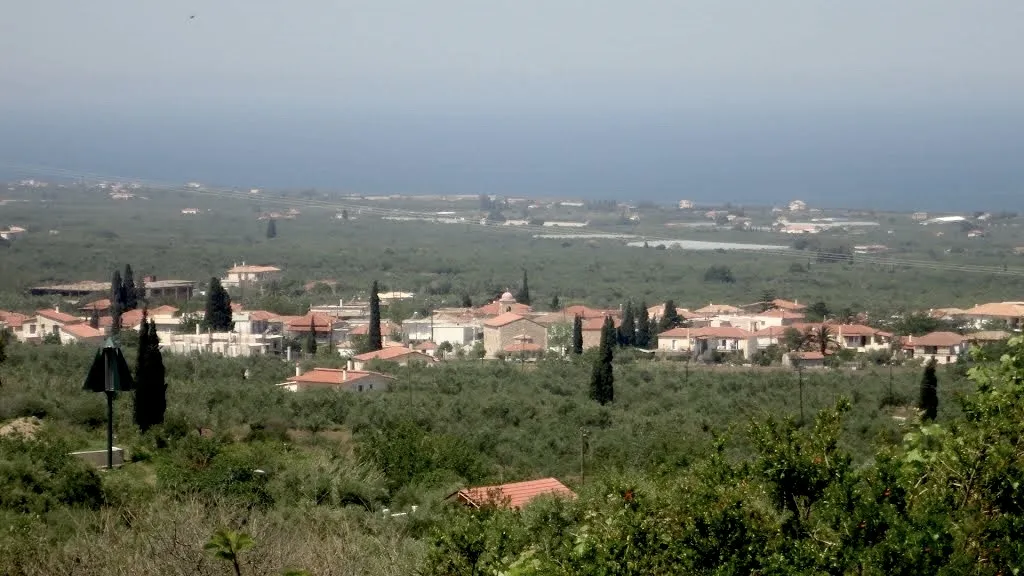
(800, 377)
(583, 455)
(890, 380)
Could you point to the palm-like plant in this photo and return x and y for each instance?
(228, 545)
(823, 338)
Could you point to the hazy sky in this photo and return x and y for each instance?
(511, 56)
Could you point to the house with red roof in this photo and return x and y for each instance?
(23, 327)
(724, 339)
(1008, 314)
(389, 331)
(337, 379)
(943, 347)
(398, 354)
(514, 495)
(592, 330)
(81, 333)
(51, 321)
(511, 328)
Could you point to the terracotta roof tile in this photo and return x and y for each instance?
(334, 376)
(82, 331)
(939, 339)
(503, 320)
(58, 316)
(513, 495)
(392, 354)
(998, 310)
(598, 323)
(523, 347)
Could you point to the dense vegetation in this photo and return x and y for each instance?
(304, 473)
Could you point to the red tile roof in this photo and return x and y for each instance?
(99, 305)
(808, 355)
(585, 313)
(164, 310)
(716, 309)
(252, 269)
(58, 316)
(334, 376)
(503, 320)
(392, 354)
(787, 305)
(998, 310)
(598, 323)
(13, 319)
(321, 323)
(82, 331)
(425, 345)
(497, 307)
(131, 318)
(938, 339)
(259, 315)
(513, 495)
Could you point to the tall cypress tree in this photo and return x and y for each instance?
(116, 303)
(643, 328)
(130, 296)
(555, 304)
(151, 384)
(140, 292)
(577, 335)
(929, 401)
(602, 380)
(669, 318)
(627, 330)
(272, 228)
(141, 400)
(218, 307)
(523, 297)
(94, 319)
(311, 338)
(374, 338)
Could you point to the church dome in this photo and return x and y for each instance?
(508, 297)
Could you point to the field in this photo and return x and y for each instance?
(441, 262)
(691, 469)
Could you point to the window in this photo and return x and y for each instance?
(32, 329)
(360, 387)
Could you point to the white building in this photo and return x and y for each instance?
(249, 274)
(439, 330)
(797, 206)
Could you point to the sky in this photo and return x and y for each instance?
(593, 96)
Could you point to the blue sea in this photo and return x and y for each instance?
(897, 161)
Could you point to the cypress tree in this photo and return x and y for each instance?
(116, 304)
(140, 292)
(467, 302)
(523, 297)
(643, 328)
(577, 335)
(555, 304)
(374, 338)
(602, 380)
(129, 295)
(218, 307)
(627, 330)
(151, 384)
(271, 228)
(94, 319)
(142, 398)
(311, 338)
(669, 318)
(929, 402)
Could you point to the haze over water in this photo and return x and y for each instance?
(860, 105)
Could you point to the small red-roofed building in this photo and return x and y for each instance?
(507, 303)
(50, 321)
(724, 339)
(804, 359)
(592, 331)
(943, 347)
(81, 334)
(398, 354)
(23, 327)
(514, 495)
(337, 379)
(503, 330)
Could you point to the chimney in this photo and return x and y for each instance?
(288, 354)
(56, 308)
(198, 328)
(344, 375)
(298, 369)
(351, 365)
(341, 302)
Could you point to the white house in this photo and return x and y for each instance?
(249, 274)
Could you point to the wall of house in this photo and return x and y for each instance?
(495, 339)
